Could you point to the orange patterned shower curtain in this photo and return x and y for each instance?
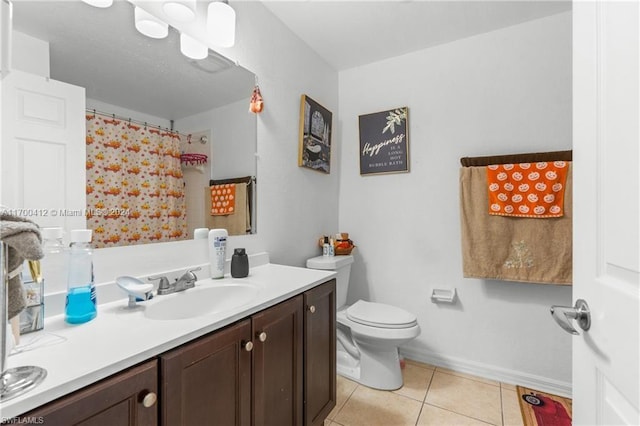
(135, 190)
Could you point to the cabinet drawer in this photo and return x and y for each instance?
(126, 399)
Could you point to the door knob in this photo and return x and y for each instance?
(564, 314)
(248, 346)
(312, 309)
(262, 336)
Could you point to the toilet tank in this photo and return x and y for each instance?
(340, 264)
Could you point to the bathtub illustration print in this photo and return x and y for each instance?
(314, 150)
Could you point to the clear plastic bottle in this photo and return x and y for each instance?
(81, 290)
(54, 260)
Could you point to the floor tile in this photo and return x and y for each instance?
(434, 416)
(344, 389)
(419, 364)
(511, 415)
(465, 396)
(508, 386)
(416, 381)
(468, 376)
(372, 407)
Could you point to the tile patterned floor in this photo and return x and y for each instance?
(430, 396)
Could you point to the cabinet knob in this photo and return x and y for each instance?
(248, 346)
(149, 399)
(262, 336)
(312, 309)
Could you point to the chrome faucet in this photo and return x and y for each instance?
(186, 281)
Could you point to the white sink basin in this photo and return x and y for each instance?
(201, 300)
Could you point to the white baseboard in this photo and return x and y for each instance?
(489, 371)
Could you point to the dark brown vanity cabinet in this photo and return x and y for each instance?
(278, 364)
(208, 382)
(276, 367)
(128, 398)
(319, 353)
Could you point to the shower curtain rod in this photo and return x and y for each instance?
(142, 123)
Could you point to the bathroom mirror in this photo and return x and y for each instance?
(148, 80)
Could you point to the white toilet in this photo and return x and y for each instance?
(368, 334)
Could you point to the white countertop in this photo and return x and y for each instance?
(78, 355)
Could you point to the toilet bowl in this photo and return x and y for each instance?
(368, 334)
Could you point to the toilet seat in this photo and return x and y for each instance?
(380, 315)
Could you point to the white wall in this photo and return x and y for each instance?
(232, 146)
(30, 54)
(502, 92)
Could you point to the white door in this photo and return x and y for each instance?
(606, 136)
(43, 150)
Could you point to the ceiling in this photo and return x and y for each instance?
(348, 34)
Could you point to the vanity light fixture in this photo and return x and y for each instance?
(221, 23)
(192, 48)
(149, 25)
(180, 10)
(99, 3)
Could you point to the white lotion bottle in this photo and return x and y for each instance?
(217, 252)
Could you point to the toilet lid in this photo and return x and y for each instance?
(380, 315)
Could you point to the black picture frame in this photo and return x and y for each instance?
(314, 148)
(384, 142)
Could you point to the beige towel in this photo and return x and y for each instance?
(24, 241)
(508, 248)
(238, 223)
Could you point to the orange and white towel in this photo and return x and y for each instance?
(223, 199)
(533, 190)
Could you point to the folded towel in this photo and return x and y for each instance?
(22, 236)
(236, 224)
(527, 189)
(512, 248)
(223, 199)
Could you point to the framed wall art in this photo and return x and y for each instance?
(384, 142)
(314, 150)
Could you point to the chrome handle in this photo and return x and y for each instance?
(149, 399)
(248, 346)
(564, 314)
(164, 281)
(191, 274)
(312, 309)
(262, 336)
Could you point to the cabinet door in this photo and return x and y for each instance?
(277, 361)
(319, 353)
(208, 382)
(126, 399)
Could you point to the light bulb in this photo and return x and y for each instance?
(149, 25)
(99, 3)
(192, 48)
(180, 10)
(221, 24)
